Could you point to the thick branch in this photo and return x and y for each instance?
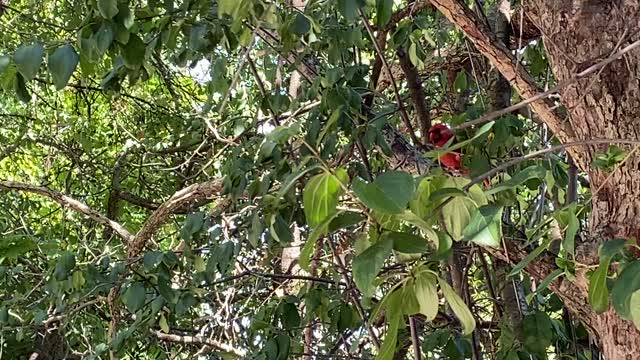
(70, 203)
(186, 196)
(198, 340)
(493, 49)
(417, 94)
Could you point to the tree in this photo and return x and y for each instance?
(255, 179)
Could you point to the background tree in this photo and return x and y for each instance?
(255, 179)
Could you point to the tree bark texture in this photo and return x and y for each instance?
(578, 34)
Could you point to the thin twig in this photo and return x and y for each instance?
(539, 153)
(401, 108)
(495, 114)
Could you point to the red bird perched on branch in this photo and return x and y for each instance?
(439, 135)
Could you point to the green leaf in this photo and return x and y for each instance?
(537, 330)
(65, 264)
(389, 193)
(611, 248)
(426, 228)
(569, 220)
(427, 294)
(134, 297)
(545, 283)
(634, 306)
(394, 317)
(192, 225)
(108, 8)
(348, 8)
(28, 59)
(345, 219)
(383, 12)
(460, 84)
(626, 284)
(289, 316)
(367, 265)
(532, 255)
(151, 259)
(406, 243)
(485, 227)
(280, 230)
(133, 52)
(321, 194)
(164, 326)
(62, 64)
(256, 230)
(14, 246)
(228, 7)
(410, 305)
(458, 307)
(20, 87)
(532, 172)
(300, 25)
(598, 291)
(309, 246)
(104, 38)
(5, 60)
(457, 215)
(419, 205)
(445, 193)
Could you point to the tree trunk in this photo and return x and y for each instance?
(577, 35)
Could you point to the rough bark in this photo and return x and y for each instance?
(577, 35)
(509, 288)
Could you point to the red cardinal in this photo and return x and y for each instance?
(439, 135)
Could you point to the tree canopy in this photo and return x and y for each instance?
(256, 179)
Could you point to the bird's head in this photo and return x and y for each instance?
(439, 134)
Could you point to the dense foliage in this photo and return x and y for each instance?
(321, 222)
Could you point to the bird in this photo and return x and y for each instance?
(439, 135)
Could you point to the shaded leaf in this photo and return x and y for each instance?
(458, 307)
(300, 25)
(108, 8)
(394, 318)
(532, 255)
(532, 172)
(626, 284)
(406, 243)
(65, 264)
(62, 63)
(134, 297)
(28, 59)
(383, 12)
(427, 294)
(598, 291)
(367, 265)
(485, 226)
(634, 305)
(389, 193)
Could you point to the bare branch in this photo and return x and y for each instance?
(417, 94)
(190, 194)
(70, 203)
(197, 340)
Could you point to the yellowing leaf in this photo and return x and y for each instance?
(164, 326)
(459, 308)
(427, 294)
(320, 196)
(635, 308)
